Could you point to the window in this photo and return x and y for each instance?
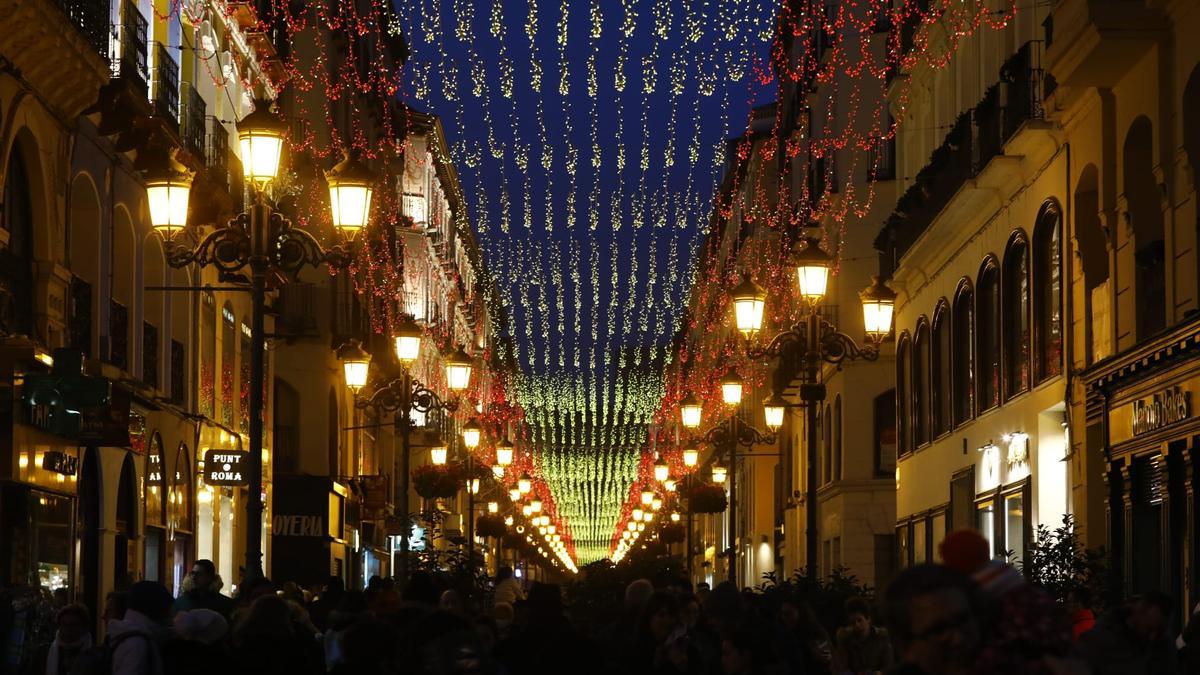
(837, 438)
(962, 500)
(920, 544)
(208, 354)
(1014, 526)
(904, 403)
(16, 270)
(827, 445)
(1047, 286)
(1016, 316)
(885, 434)
(985, 519)
(920, 384)
(941, 392)
(904, 545)
(987, 337)
(963, 371)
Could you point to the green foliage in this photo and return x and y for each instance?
(826, 596)
(1058, 562)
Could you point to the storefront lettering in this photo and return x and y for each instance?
(298, 526)
(224, 467)
(1164, 408)
(60, 462)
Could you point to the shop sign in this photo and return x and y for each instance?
(298, 526)
(60, 462)
(1164, 408)
(224, 467)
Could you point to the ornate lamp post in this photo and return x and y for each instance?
(812, 342)
(401, 397)
(264, 243)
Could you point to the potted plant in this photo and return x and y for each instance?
(708, 498)
(433, 482)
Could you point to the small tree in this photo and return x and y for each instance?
(1058, 562)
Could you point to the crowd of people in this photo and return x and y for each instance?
(968, 615)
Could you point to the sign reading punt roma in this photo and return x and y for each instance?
(224, 467)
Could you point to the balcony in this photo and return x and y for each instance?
(978, 136)
(192, 122)
(60, 47)
(91, 18)
(218, 152)
(164, 92)
(129, 59)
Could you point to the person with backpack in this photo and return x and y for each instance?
(133, 644)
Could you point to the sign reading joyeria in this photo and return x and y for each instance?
(224, 467)
(1166, 407)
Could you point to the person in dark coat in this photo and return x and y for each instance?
(203, 591)
(71, 640)
(1132, 639)
(861, 646)
(267, 641)
(548, 644)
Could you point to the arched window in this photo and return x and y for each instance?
(180, 506)
(921, 384)
(903, 389)
(1047, 288)
(941, 391)
(1015, 323)
(1092, 247)
(16, 255)
(837, 438)
(1145, 215)
(987, 336)
(229, 350)
(963, 369)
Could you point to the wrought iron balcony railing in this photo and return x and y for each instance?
(92, 20)
(164, 91)
(128, 60)
(192, 121)
(218, 151)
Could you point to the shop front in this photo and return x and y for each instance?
(308, 523)
(1142, 420)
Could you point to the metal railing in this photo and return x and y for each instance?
(165, 90)
(92, 20)
(192, 120)
(128, 59)
(218, 151)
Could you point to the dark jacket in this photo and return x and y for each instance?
(203, 600)
(1112, 649)
(871, 653)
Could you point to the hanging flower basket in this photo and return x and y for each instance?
(433, 482)
(708, 499)
(672, 533)
(490, 526)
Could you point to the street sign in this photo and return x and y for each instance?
(224, 467)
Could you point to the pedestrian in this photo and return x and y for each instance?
(202, 590)
(862, 647)
(134, 643)
(547, 642)
(803, 642)
(1132, 639)
(508, 588)
(196, 647)
(267, 641)
(661, 645)
(326, 602)
(745, 653)
(1079, 609)
(71, 640)
(932, 617)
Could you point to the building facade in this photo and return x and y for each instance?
(975, 249)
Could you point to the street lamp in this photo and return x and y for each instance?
(471, 433)
(525, 483)
(535, 505)
(350, 194)
(662, 471)
(814, 341)
(748, 301)
(504, 452)
(458, 370)
(718, 473)
(691, 457)
(260, 240)
(408, 340)
(647, 497)
(690, 411)
(356, 364)
(438, 454)
(514, 495)
(773, 409)
(731, 388)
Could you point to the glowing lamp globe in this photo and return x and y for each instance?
(637, 515)
(458, 370)
(438, 454)
(493, 507)
(497, 471)
(471, 434)
(656, 504)
(408, 340)
(504, 452)
(674, 516)
(690, 411)
(631, 526)
(648, 517)
(260, 140)
(691, 457)
(536, 505)
(350, 184)
(661, 470)
(647, 497)
(718, 473)
(168, 187)
(525, 484)
(526, 511)
(731, 388)
(812, 265)
(514, 494)
(356, 363)
(879, 303)
(773, 410)
(748, 300)
(669, 484)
